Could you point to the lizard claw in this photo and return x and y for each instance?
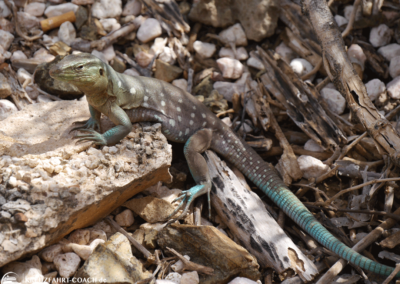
(187, 197)
(89, 124)
(91, 135)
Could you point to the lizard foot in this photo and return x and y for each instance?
(187, 197)
(89, 124)
(91, 135)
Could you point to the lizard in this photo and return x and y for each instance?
(125, 100)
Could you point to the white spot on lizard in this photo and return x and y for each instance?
(132, 91)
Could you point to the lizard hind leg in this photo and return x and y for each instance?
(196, 144)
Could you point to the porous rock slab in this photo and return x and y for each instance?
(206, 245)
(60, 186)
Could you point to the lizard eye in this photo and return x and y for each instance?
(101, 72)
(80, 67)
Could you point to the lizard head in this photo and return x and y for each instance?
(83, 70)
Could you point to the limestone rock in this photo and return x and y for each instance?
(375, 88)
(125, 218)
(390, 51)
(234, 34)
(133, 7)
(67, 264)
(393, 88)
(258, 17)
(107, 9)
(6, 38)
(80, 237)
(113, 262)
(230, 68)
(180, 83)
(311, 167)
(219, 252)
(150, 208)
(63, 186)
(380, 35)
(167, 72)
(67, 33)
(190, 277)
(26, 272)
(35, 9)
(394, 67)
(57, 10)
(149, 30)
(334, 99)
(6, 108)
(84, 251)
(204, 49)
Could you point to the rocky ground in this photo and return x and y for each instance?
(266, 70)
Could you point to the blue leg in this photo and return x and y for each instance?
(196, 145)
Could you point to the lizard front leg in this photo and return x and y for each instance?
(92, 123)
(123, 126)
(196, 144)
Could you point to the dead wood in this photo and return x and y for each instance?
(346, 80)
(18, 94)
(245, 215)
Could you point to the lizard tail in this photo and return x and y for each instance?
(266, 178)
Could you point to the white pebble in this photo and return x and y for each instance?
(190, 278)
(67, 264)
(313, 146)
(6, 108)
(133, 7)
(334, 99)
(48, 254)
(349, 9)
(242, 280)
(27, 20)
(4, 11)
(394, 67)
(230, 68)
(18, 55)
(311, 167)
(158, 46)
(302, 67)
(131, 72)
(255, 63)
(393, 88)
(6, 39)
(375, 88)
(356, 55)
(58, 10)
(43, 55)
(125, 218)
(180, 83)
(67, 33)
(241, 53)
(380, 35)
(340, 21)
(35, 9)
(107, 9)
(234, 34)
(168, 55)
(285, 52)
(113, 150)
(149, 30)
(389, 51)
(204, 49)
(110, 24)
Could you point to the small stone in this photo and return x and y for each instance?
(394, 67)
(84, 251)
(48, 254)
(57, 10)
(334, 99)
(133, 7)
(131, 72)
(356, 55)
(190, 278)
(149, 30)
(180, 83)
(340, 21)
(6, 108)
(80, 237)
(285, 52)
(375, 88)
(255, 63)
(393, 88)
(25, 272)
(242, 280)
(150, 208)
(380, 35)
(348, 10)
(43, 55)
(23, 75)
(230, 68)
(167, 72)
(168, 55)
(35, 9)
(107, 9)
(4, 11)
(313, 146)
(158, 46)
(311, 167)
(6, 39)
(43, 99)
(109, 53)
(302, 67)
(67, 264)
(5, 24)
(241, 53)
(20, 217)
(174, 277)
(125, 218)
(178, 266)
(390, 51)
(234, 34)
(144, 58)
(28, 21)
(110, 24)
(204, 49)
(5, 88)
(67, 32)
